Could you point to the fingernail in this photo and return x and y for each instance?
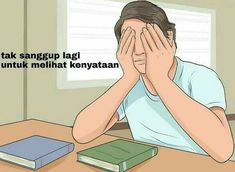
(129, 28)
(144, 29)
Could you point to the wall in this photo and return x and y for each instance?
(45, 102)
(11, 39)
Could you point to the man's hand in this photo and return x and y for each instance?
(125, 52)
(88, 126)
(159, 53)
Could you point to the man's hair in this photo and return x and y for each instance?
(148, 13)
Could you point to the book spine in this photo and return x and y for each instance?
(53, 156)
(125, 165)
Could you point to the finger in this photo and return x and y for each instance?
(120, 41)
(155, 37)
(149, 39)
(125, 37)
(161, 36)
(131, 47)
(127, 44)
(122, 33)
(145, 44)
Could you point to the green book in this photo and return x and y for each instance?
(118, 155)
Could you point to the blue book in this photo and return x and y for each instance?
(35, 152)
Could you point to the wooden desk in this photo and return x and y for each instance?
(166, 160)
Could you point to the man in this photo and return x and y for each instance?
(166, 101)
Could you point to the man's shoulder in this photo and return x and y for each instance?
(191, 69)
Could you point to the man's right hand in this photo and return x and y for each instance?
(125, 52)
(89, 125)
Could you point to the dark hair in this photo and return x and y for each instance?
(146, 12)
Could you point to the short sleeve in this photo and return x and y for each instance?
(121, 111)
(207, 89)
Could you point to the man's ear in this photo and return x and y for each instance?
(170, 37)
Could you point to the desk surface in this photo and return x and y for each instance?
(166, 159)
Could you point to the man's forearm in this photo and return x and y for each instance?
(111, 99)
(93, 120)
(198, 121)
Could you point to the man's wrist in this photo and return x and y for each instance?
(161, 83)
(128, 79)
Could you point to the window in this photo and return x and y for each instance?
(88, 27)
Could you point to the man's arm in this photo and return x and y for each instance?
(208, 127)
(100, 115)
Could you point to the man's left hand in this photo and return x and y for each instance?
(159, 53)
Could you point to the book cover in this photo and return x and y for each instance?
(35, 151)
(119, 155)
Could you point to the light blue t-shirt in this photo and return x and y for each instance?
(151, 122)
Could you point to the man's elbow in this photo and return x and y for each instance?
(225, 153)
(79, 136)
